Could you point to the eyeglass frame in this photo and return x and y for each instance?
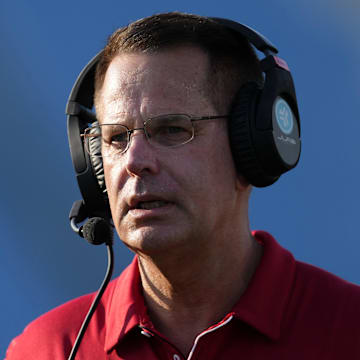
(131, 131)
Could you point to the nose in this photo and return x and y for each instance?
(131, 132)
(140, 157)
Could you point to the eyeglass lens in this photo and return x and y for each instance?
(167, 131)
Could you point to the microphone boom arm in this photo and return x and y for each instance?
(95, 302)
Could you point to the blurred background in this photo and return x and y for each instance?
(313, 211)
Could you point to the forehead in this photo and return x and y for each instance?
(154, 83)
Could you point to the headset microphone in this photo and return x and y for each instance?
(98, 231)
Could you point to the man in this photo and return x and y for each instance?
(202, 286)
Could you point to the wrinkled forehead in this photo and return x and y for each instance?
(157, 81)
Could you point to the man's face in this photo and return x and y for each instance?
(168, 198)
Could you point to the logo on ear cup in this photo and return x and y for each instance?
(284, 116)
(286, 132)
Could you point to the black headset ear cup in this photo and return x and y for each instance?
(241, 127)
(94, 145)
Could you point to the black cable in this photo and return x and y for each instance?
(95, 303)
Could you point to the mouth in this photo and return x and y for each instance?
(150, 209)
(149, 205)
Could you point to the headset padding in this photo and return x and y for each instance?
(96, 162)
(242, 119)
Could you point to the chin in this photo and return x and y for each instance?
(152, 241)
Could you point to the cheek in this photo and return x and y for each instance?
(210, 173)
(112, 174)
(220, 164)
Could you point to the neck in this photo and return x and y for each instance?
(177, 287)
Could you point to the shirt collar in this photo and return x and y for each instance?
(263, 304)
(126, 308)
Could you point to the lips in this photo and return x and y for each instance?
(147, 202)
(149, 205)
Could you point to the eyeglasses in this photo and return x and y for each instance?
(170, 130)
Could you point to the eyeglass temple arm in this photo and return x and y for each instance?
(194, 118)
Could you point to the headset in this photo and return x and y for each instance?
(264, 127)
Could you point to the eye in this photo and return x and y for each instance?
(120, 137)
(170, 130)
(114, 136)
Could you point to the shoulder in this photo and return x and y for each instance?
(326, 306)
(318, 305)
(52, 335)
(308, 282)
(311, 280)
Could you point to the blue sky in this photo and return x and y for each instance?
(313, 211)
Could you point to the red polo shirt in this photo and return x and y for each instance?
(290, 310)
